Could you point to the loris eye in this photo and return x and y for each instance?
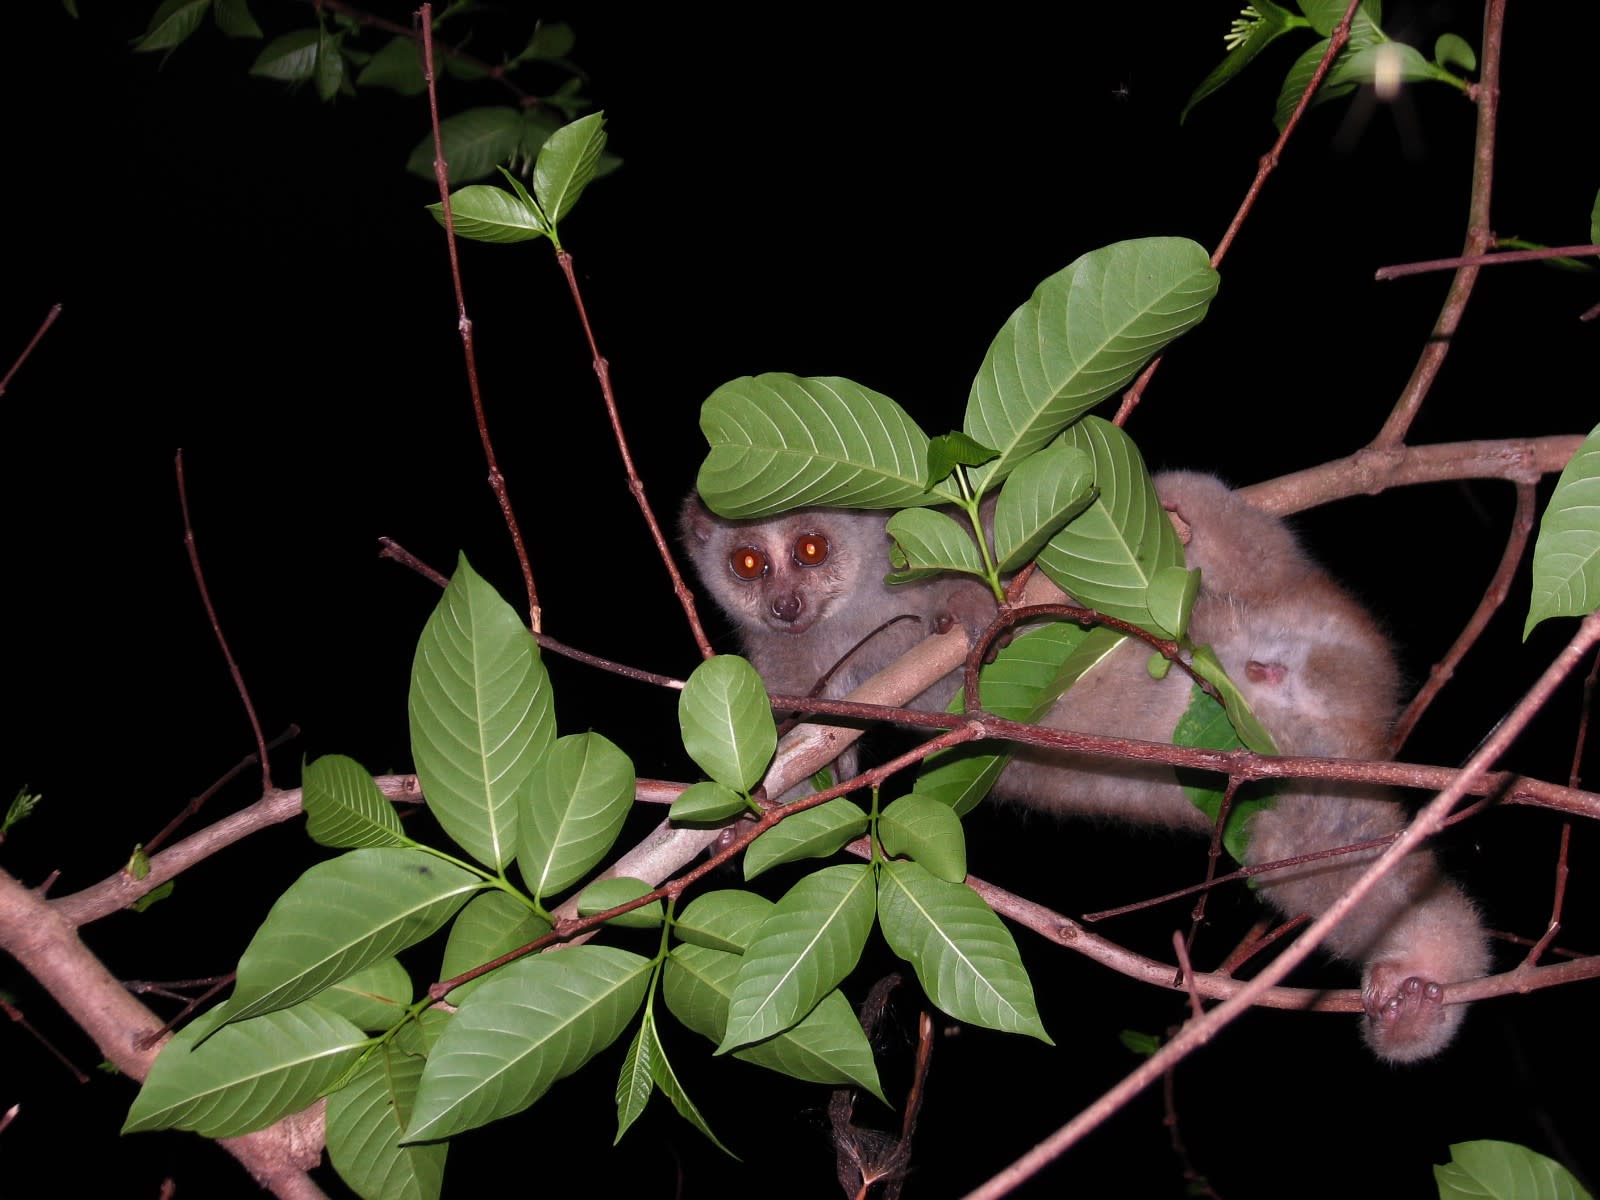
(811, 550)
(747, 562)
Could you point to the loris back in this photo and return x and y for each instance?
(805, 587)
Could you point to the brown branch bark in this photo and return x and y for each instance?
(1369, 471)
(1479, 237)
(47, 946)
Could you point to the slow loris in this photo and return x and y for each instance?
(805, 586)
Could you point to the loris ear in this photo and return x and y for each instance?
(695, 520)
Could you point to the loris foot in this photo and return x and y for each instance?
(1406, 1016)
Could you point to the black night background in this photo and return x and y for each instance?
(251, 275)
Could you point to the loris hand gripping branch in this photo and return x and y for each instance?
(804, 587)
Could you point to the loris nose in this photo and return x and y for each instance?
(788, 608)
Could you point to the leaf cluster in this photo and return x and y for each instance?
(1370, 56)
(341, 54)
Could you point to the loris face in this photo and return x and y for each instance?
(786, 572)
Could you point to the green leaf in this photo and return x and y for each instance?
(950, 450)
(171, 24)
(492, 924)
(138, 864)
(1171, 598)
(1364, 34)
(780, 441)
(569, 101)
(1594, 221)
(803, 949)
(246, 1075)
(723, 920)
(574, 808)
(538, 1020)
(373, 998)
(1325, 15)
(344, 807)
(549, 41)
(636, 1081)
(1566, 555)
(474, 142)
(341, 915)
(608, 893)
(538, 124)
(153, 896)
(1143, 1044)
(923, 829)
(815, 833)
(20, 809)
(1109, 556)
(1085, 332)
(827, 1046)
(707, 803)
(490, 214)
(566, 165)
(366, 1119)
(1248, 37)
(1205, 726)
(330, 73)
(726, 721)
(519, 189)
(1388, 63)
(647, 1064)
(1046, 491)
(1489, 1170)
(964, 957)
(1296, 81)
(1021, 684)
(1453, 50)
(290, 57)
(397, 65)
(928, 542)
(481, 716)
(235, 21)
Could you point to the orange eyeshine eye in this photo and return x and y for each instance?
(811, 549)
(747, 562)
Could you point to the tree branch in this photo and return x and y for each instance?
(47, 946)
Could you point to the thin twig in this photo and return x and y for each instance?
(1558, 899)
(50, 1048)
(38, 336)
(1480, 236)
(1493, 597)
(1269, 160)
(1213, 857)
(602, 371)
(497, 480)
(1268, 164)
(1493, 258)
(227, 777)
(1574, 777)
(216, 628)
(389, 548)
(1194, 1183)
